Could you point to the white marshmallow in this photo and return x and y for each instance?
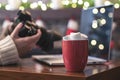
(75, 36)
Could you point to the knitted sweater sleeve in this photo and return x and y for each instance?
(8, 51)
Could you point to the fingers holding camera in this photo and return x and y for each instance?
(16, 30)
(24, 44)
(34, 38)
(29, 43)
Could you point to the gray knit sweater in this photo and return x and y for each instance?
(8, 51)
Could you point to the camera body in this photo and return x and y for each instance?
(29, 28)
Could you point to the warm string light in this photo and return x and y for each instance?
(95, 11)
(94, 24)
(24, 1)
(0, 5)
(43, 7)
(93, 42)
(80, 2)
(21, 8)
(101, 46)
(107, 2)
(102, 10)
(33, 5)
(85, 4)
(116, 5)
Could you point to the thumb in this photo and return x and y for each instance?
(17, 29)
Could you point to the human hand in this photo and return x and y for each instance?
(24, 44)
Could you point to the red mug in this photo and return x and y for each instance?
(75, 54)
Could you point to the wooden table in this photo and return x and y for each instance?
(29, 69)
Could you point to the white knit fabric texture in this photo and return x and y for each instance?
(8, 51)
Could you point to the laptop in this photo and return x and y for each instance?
(96, 23)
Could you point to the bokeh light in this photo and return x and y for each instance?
(95, 11)
(93, 42)
(101, 46)
(102, 10)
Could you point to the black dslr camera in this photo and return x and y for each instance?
(30, 28)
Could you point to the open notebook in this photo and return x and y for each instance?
(96, 23)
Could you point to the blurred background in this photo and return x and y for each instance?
(54, 13)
